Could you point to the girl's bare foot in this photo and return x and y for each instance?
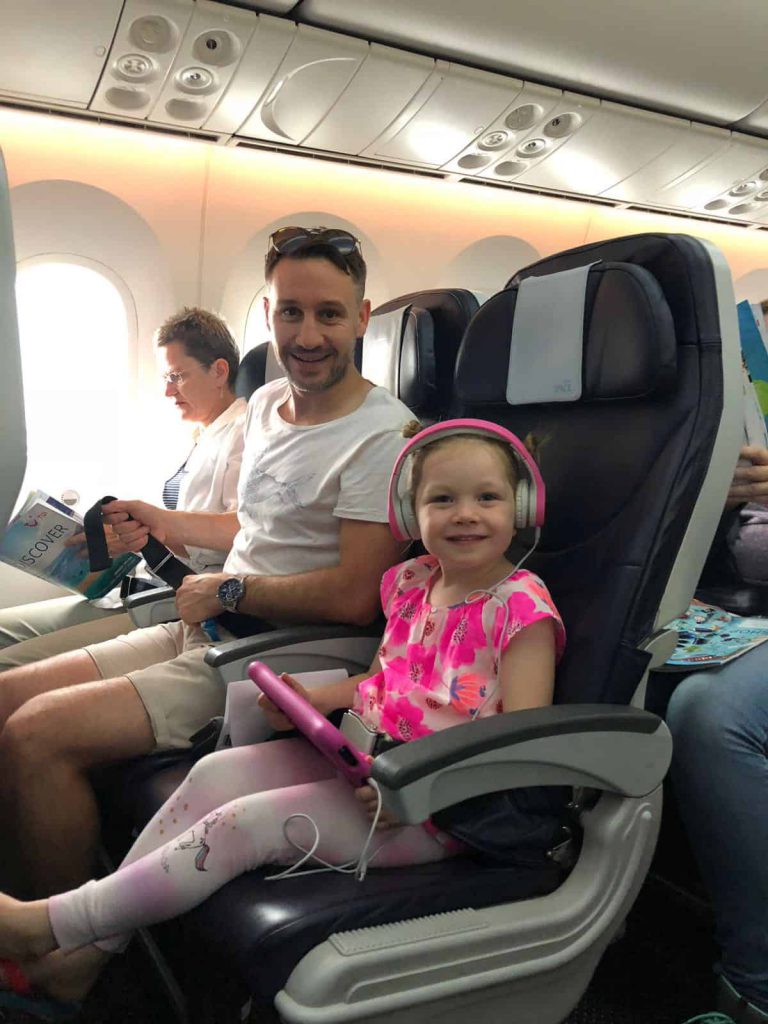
(25, 931)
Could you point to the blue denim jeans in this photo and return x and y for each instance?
(719, 721)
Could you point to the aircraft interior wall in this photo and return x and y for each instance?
(174, 221)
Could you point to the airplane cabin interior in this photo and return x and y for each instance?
(542, 193)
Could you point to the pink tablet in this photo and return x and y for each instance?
(316, 727)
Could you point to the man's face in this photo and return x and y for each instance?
(315, 317)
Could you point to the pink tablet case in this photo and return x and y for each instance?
(332, 743)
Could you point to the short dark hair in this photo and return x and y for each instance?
(205, 337)
(352, 264)
(764, 306)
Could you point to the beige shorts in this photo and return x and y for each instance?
(165, 664)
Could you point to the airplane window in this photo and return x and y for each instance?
(75, 331)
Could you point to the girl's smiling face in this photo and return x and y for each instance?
(465, 504)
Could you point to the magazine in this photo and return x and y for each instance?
(38, 541)
(709, 636)
(754, 352)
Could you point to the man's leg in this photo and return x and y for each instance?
(46, 750)
(72, 638)
(27, 621)
(719, 721)
(18, 685)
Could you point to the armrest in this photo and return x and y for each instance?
(298, 649)
(610, 747)
(149, 607)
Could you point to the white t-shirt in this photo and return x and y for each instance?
(210, 476)
(298, 482)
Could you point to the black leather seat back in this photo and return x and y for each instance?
(624, 464)
(411, 345)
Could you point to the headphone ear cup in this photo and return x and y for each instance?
(522, 505)
(408, 519)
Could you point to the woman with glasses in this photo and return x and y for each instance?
(200, 361)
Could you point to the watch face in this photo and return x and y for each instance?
(230, 593)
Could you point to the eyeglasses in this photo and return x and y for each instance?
(174, 377)
(287, 241)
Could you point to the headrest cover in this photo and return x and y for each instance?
(629, 344)
(399, 354)
(547, 349)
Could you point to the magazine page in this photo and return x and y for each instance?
(709, 636)
(754, 352)
(38, 541)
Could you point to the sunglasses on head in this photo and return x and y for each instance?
(287, 241)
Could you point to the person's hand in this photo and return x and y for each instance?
(369, 799)
(750, 483)
(115, 546)
(133, 521)
(197, 598)
(277, 720)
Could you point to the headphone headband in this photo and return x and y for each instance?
(529, 498)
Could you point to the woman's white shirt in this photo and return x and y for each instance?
(211, 473)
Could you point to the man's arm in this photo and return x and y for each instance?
(347, 592)
(132, 521)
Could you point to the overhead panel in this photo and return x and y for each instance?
(146, 42)
(693, 148)
(530, 107)
(263, 54)
(385, 84)
(55, 51)
(454, 107)
(692, 58)
(314, 73)
(205, 64)
(587, 150)
(708, 187)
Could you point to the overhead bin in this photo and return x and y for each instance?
(314, 73)
(205, 63)
(708, 187)
(55, 51)
(695, 145)
(689, 58)
(454, 106)
(142, 54)
(267, 46)
(386, 82)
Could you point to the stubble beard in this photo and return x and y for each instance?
(337, 372)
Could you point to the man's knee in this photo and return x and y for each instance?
(38, 731)
(707, 715)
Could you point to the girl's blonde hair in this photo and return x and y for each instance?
(532, 444)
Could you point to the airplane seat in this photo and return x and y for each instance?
(623, 357)
(443, 313)
(13, 451)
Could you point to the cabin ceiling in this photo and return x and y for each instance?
(654, 103)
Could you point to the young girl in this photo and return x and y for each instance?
(468, 635)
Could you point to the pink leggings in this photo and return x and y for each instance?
(226, 818)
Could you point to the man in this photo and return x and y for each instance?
(719, 723)
(309, 543)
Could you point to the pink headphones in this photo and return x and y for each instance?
(529, 495)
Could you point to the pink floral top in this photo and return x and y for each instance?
(440, 664)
